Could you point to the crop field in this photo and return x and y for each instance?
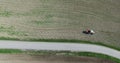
(61, 19)
(22, 58)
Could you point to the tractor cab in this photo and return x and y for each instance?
(88, 31)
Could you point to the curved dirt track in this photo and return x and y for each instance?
(60, 47)
(23, 58)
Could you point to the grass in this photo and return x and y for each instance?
(68, 53)
(10, 30)
(10, 51)
(65, 53)
(5, 13)
(40, 23)
(8, 38)
(98, 56)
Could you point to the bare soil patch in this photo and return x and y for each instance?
(22, 58)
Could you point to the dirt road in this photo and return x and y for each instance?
(59, 46)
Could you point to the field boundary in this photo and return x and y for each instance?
(61, 40)
(69, 53)
(64, 53)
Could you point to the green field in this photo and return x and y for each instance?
(61, 19)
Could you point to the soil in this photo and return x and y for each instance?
(61, 19)
(22, 58)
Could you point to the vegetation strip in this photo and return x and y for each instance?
(69, 53)
(65, 53)
(10, 51)
(62, 40)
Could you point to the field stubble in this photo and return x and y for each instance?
(64, 19)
